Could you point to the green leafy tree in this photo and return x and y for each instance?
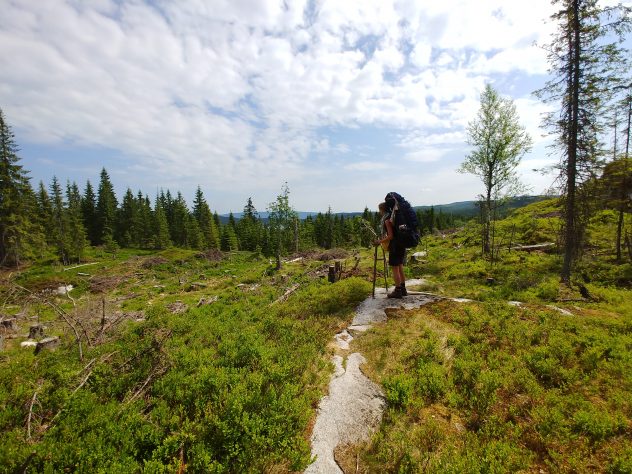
(281, 218)
(585, 58)
(499, 143)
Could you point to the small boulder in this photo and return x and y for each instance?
(419, 255)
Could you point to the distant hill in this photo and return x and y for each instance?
(462, 208)
(470, 208)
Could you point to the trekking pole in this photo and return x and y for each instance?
(374, 272)
(385, 270)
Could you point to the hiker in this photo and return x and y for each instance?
(396, 251)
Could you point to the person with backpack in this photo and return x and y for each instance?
(399, 229)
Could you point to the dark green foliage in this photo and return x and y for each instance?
(61, 225)
(161, 239)
(226, 387)
(529, 387)
(206, 222)
(106, 210)
(18, 231)
(77, 240)
(89, 211)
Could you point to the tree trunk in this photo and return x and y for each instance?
(619, 231)
(570, 232)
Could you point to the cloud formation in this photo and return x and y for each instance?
(235, 94)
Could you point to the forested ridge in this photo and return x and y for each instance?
(63, 220)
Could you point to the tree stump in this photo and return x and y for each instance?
(9, 324)
(36, 331)
(49, 343)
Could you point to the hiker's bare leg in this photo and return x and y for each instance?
(396, 276)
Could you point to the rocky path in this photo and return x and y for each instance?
(352, 410)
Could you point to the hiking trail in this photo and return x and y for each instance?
(352, 410)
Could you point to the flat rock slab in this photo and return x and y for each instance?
(353, 409)
(372, 310)
(349, 414)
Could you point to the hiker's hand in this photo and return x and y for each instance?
(376, 243)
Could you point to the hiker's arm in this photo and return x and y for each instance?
(389, 233)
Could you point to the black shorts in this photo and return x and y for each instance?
(396, 253)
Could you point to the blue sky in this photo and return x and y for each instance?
(345, 100)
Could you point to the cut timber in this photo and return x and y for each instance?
(287, 293)
(530, 248)
(50, 343)
(79, 266)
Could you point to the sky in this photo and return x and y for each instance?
(344, 100)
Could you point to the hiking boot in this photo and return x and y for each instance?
(396, 293)
(403, 288)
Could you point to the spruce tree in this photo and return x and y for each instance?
(106, 210)
(16, 200)
(161, 239)
(60, 223)
(77, 239)
(127, 221)
(180, 214)
(206, 222)
(45, 214)
(249, 228)
(195, 240)
(144, 239)
(89, 211)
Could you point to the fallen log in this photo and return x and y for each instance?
(530, 248)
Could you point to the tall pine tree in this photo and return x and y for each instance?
(16, 200)
(584, 57)
(60, 223)
(106, 210)
(206, 222)
(89, 211)
(77, 239)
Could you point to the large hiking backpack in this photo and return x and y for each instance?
(406, 224)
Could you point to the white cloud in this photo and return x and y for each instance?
(233, 92)
(366, 166)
